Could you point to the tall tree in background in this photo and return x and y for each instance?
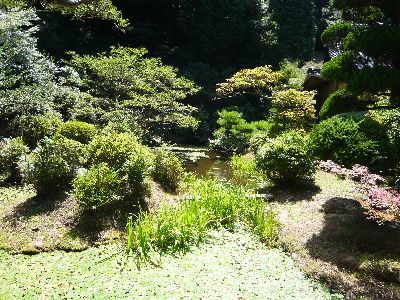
(368, 42)
(295, 27)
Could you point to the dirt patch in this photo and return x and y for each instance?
(329, 236)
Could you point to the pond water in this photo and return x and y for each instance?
(204, 162)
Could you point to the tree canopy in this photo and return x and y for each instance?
(368, 44)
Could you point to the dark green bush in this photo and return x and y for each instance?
(11, 151)
(112, 148)
(286, 158)
(339, 102)
(53, 164)
(168, 169)
(33, 128)
(98, 186)
(353, 138)
(78, 131)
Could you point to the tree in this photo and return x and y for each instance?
(368, 42)
(136, 88)
(295, 27)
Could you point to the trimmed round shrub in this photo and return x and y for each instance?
(339, 102)
(33, 128)
(78, 131)
(353, 138)
(53, 164)
(113, 148)
(168, 169)
(286, 158)
(99, 186)
(11, 151)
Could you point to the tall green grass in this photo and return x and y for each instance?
(208, 204)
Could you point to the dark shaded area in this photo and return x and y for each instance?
(348, 237)
(36, 205)
(90, 224)
(292, 193)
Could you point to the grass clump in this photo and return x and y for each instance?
(245, 170)
(210, 204)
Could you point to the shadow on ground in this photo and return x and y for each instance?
(291, 193)
(350, 241)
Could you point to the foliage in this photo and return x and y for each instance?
(234, 133)
(53, 164)
(353, 138)
(11, 152)
(102, 9)
(211, 204)
(112, 148)
(368, 40)
(382, 204)
(244, 169)
(33, 128)
(339, 102)
(293, 109)
(217, 32)
(258, 80)
(138, 169)
(390, 120)
(78, 131)
(296, 27)
(286, 158)
(99, 186)
(142, 88)
(168, 169)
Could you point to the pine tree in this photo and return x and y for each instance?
(368, 42)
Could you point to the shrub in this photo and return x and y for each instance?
(293, 109)
(98, 186)
(138, 169)
(168, 169)
(112, 148)
(33, 128)
(353, 138)
(11, 151)
(78, 131)
(390, 120)
(53, 164)
(339, 102)
(286, 158)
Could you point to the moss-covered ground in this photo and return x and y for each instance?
(228, 266)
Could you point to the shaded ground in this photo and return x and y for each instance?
(230, 266)
(29, 224)
(328, 235)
